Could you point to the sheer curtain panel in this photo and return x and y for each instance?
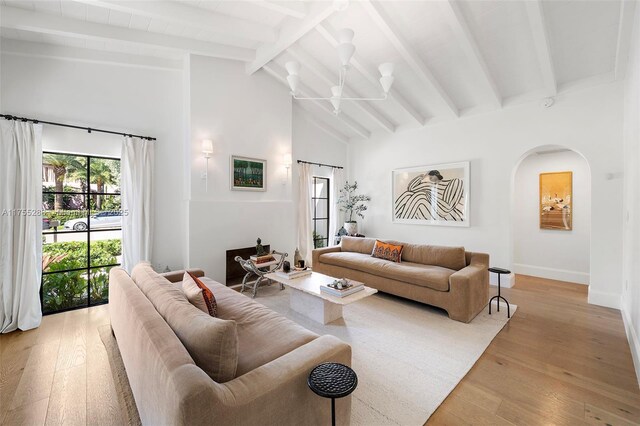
(305, 237)
(20, 225)
(137, 201)
(337, 181)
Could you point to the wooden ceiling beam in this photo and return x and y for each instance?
(290, 34)
(625, 28)
(25, 20)
(295, 9)
(458, 24)
(392, 33)
(192, 16)
(542, 46)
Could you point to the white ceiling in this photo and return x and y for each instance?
(453, 57)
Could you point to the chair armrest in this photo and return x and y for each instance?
(176, 276)
(281, 384)
(318, 252)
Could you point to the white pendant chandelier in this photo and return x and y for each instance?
(346, 49)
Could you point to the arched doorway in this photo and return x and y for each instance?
(563, 252)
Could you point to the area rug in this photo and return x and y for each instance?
(127, 403)
(408, 356)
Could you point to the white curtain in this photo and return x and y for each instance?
(137, 201)
(337, 182)
(20, 225)
(305, 237)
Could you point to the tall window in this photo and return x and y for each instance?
(81, 229)
(320, 212)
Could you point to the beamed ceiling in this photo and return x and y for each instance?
(453, 58)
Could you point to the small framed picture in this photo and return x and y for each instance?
(248, 174)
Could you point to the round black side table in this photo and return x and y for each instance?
(499, 271)
(332, 380)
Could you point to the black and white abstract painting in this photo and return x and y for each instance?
(432, 195)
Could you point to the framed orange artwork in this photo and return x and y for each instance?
(556, 201)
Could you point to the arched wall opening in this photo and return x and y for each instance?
(557, 254)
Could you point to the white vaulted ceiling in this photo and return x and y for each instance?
(453, 57)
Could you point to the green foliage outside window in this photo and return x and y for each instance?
(66, 290)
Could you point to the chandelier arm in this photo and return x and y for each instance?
(303, 98)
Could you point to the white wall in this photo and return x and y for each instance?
(250, 116)
(555, 254)
(130, 99)
(631, 211)
(588, 121)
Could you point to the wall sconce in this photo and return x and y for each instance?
(207, 150)
(287, 161)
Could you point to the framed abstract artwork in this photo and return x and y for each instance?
(556, 201)
(248, 174)
(432, 195)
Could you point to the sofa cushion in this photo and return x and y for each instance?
(199, 295)
(263, 335)
(211, 342)
(446, 257)
(434, 277)
(387, 251)
(357, 244)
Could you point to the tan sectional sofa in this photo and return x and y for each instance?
(171, 350)
(447, 277)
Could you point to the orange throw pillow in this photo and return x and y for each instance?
(387, 251)
(199, 295)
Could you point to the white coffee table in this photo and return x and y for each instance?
(307, 299)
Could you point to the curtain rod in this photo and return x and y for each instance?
(320, 164)
(88, 129)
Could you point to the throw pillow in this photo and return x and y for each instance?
(199, 294)
(387, 251)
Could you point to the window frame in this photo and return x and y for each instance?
(315, 219)
(89, 267)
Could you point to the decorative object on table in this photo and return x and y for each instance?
(332, 380)
(259, 249)
(352, 203)
(248, 174)
(432, 195)
(296, 257)
(301, 264)
(251, 269)
(341, 233)
(265, 258)
(342, 287)
(499, 271)
(292, 274)
(556, 200)
(346, 49)
(387, 251)
(286, 266)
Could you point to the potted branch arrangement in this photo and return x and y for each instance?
(352, 203)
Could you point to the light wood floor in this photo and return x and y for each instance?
(558, 361)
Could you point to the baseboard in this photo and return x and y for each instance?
(552, 273)
(608, 300)
(634, 341)
(506, 281)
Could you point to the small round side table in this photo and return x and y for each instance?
(332, 380)
(499, 271)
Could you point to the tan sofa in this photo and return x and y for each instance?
(273, 356)
(446, 277)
